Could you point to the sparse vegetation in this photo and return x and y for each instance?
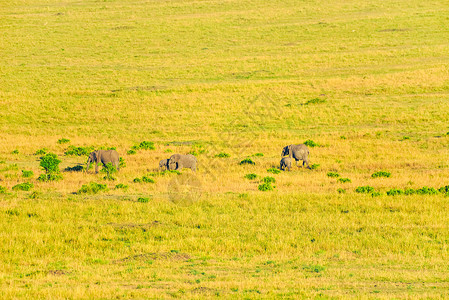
(232, 76)
(268, 179)
(63, 141)
(121, 186)
(314, 166)
(333, 174)
(143, 199)
(110, 170)
(343, 180)
(25, 186)
(265, 187)
(27, 174)
(77, 168)
(310, 143)
(92, 188)
(41, 151)
(3, 190)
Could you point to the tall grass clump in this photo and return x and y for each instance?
(92, 188)
(364, 189)
(381, 174)
(78, 151)
(247, 161)
(25, 186)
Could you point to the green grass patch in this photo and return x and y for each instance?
(310, 143)
(269, 179)
(343, 180)
(333, 174)
(222, 155)
(265, 187)
(364, 189)
(78, 151)
(250, 176)
(63, 141)
(41, 151)
(395, 192)
(247, 161)
(27, 174)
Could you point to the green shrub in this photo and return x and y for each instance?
(364, 189)
(121, 186)
(381, 174)
(15, 151)
(131, 152)
(273, 170)
(343, 180)
(197, 150)
(376, 194)
(79, 151)
(258, 154)
(444, 189)
(409, 191)
(92, 188)
(315, 101)
(143, 200)
(314, 166)
(41, 151)
(341, 191)
(268, 179)
(27, 174)
(251, 176)
(49, 177)
(247, 161)
(394, 192)
(137, 180)
(3, 190)
(147, 179)
(427, 191)
(333, 174)
(265, 187)
(78, 168)
(50, 163)
(310, 143)
(110, 170)
(145, 145)
(25, 186)
(168, 150)
(63, 141)
(222, 155)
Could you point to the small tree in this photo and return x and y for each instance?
(50, 164)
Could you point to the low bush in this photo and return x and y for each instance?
(444, 189)
(78, 151)
(42, 151)
(247, 161)
(427, 191)
(25, 186)
(343, 180)
(15, 151)
(251, 176)
(121, 186)
(314, 166)
(258, 154)
(222, 155)
(409, 191)
(137, 180)
(131, 152)
(273, 170)
(310, 143)
(63, 141)
(110, 170)
(197, 150)
(92, 188)
(27, 174)
(147, 179)
(381, 174)
(268, 179)
(49, 177)
(394, 192)
(364, 189)
(143, 199)
(376, 194)
(265, 187)
(341, 191)
(145, 145)
(333, 174)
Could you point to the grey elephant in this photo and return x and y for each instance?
(180, 161)
(286, 162)
(163, 164)
(298, 152)
(103, 156)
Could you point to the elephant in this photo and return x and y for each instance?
(298, 152)
(163, 163)
(180, 161)
(286, 162)
(103, 156)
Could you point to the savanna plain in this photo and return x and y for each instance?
(364, 83)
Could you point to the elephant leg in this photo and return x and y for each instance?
(96, 168)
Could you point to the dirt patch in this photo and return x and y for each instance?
(156, 256)
(143, 227)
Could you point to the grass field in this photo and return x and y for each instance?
(368, 83)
